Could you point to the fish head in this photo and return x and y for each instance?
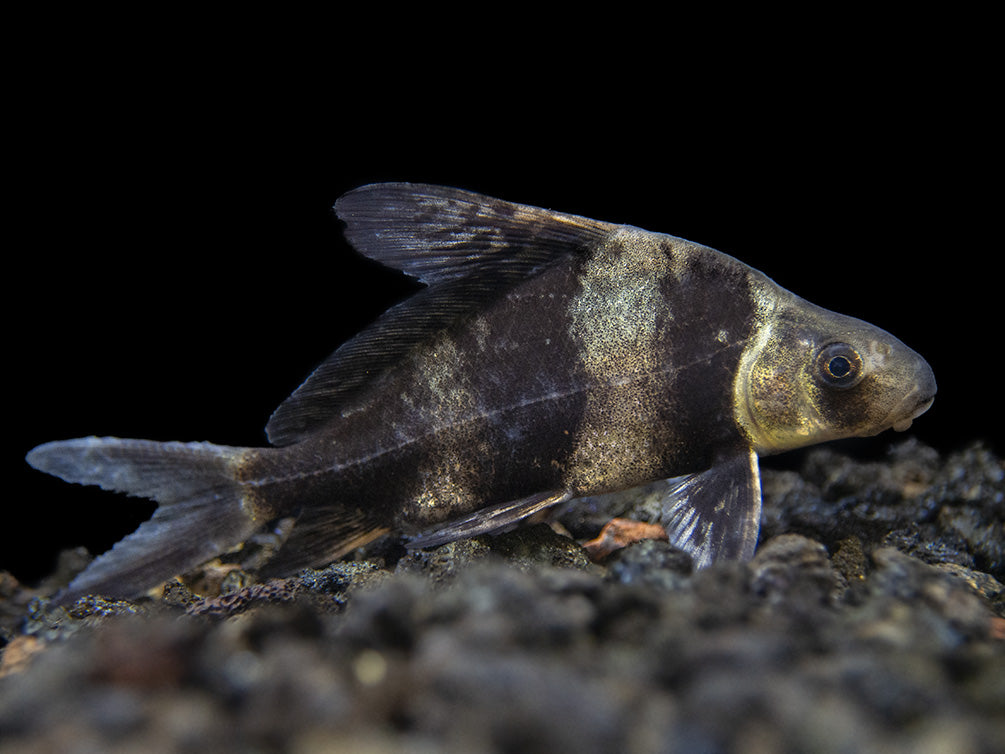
(811, 375)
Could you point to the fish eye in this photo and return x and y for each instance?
(839, 365)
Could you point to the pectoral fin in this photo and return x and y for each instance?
(489, 519)
(715, 515)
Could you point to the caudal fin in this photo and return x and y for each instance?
(200, 514)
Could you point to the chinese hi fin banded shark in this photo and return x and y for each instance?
(548, 357)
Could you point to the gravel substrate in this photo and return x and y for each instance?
(872, 619)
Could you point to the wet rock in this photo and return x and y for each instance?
(917, 603)
(444, 562)
(943, 510)
(790, 568)
(651, 563)
(531, 547)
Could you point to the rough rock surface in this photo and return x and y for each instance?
(872, 619)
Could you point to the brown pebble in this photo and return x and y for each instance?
(618, 533)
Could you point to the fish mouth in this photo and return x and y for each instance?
(922, 406)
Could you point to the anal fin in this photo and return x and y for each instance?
(320, 535)
(489, 519)
(716, 515)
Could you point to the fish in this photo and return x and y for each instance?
(546, 357)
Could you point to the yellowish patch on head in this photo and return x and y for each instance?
(810, 375)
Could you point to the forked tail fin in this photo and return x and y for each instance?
(201, 512)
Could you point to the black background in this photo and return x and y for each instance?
(175, 270)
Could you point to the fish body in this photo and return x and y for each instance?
(549, 357)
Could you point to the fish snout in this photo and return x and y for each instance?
(917, 401)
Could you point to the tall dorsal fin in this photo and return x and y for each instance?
(466, 247)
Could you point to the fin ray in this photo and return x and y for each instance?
(200, 513)
(716, 515)
(321, 535)
(468, 248)
(438, 233)
(488, 519)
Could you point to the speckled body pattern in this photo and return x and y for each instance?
(569, 381)
(550, 357)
